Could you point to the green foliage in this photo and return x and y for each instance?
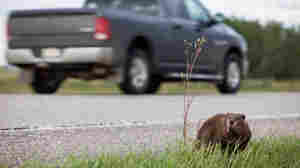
(261, 153)
(273, 48)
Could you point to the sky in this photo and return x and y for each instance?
(286, 11)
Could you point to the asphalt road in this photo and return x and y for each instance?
(23, 111)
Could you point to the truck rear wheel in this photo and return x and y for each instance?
(139, 77)
(46, 82)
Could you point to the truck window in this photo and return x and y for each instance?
(116, 4)
(90, 4)
(147, 7)
(195, 11)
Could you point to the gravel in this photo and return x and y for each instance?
(54, 144)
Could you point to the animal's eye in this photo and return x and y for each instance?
(231, 122)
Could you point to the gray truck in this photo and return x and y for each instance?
(136, 43)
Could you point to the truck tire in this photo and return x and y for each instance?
(231, 81)
(138, 75)
(46, 82)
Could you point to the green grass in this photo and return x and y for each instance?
(280, 152)
(9, 84)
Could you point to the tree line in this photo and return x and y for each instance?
(273, 49)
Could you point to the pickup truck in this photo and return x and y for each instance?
(137, 43)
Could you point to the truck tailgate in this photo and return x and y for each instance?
(52, 28)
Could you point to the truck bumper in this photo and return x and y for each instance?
(103, 55)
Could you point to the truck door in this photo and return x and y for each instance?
(190, 23)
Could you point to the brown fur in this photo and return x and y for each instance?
(228, 130)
